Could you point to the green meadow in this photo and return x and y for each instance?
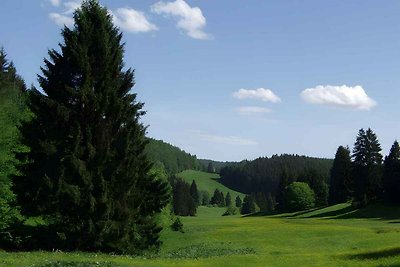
(332, 236)
(208, 182)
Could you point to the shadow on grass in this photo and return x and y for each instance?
(375, 255)
(378, 210)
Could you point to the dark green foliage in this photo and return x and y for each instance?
(183, 202)
(205, 198)
(194, 193)
(210, 168)
(87, 170)
(228, 200)
(218, 198)
(249, 205)
(299, 196)
(172, 158)
(265, 174)
(12, 111)
(270, 202)
(367, 167)
(341, 183)
(177, 225)
(261, 200)
(317, 183)
(238, 202)
(391, 174)
(231, 210)
(217, 165)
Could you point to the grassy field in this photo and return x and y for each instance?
(208, 182)
(333, 236)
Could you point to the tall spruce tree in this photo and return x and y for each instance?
(391, 174)
(340, 177)
(87, 169)
(367, 167)
(228, 200)
(238, 202)
(194, 193)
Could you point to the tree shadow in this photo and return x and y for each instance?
(379, 211)
(333, 213)
(375, 255)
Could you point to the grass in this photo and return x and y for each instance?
(208, 182)
(320, 237)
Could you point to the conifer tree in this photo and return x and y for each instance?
(340, 177)
(238, 202)
(183, 202)
(87, 169)
(228, 200)
(367, 167)
(391, 174)
(194, 193)
(270, 202)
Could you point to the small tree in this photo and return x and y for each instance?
(194, 193)
(270, 202)
(238, 202)
(228, 200)
(249, 205)
(299, 196)
(205, 198)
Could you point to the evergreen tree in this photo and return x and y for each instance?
(238, 202)
(183, 202)
(367, 167)
(205, 198)
(391, 174)
(215, 199)
(270, 202)
(340, 177)
(194, 193)
(317, 183)
(228, 200)
(221, 199)
(249, 205)
(261, 201)
(87, 169)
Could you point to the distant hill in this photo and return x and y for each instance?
(264, 174)
(171, 158)
(208, 182)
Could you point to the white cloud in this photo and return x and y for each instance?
(190, 19)
(55, 2)
(344, 96)
(61, 19)
(265, 95)
(250, 110)
(227, 140)
(71, 6)
(131, 20)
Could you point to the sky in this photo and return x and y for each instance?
(232, 80)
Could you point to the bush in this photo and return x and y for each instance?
(299, 196)
(231, 210)
(177, 225)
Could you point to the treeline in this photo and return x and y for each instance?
(74, 173)
(363, 176)
(171, 158)
(211, 166)
(273, 175)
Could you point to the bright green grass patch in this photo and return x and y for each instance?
(208, 182)
(332, 236)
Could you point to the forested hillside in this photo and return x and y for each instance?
(170, 157)
(270, 175)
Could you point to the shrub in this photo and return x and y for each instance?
(231, 210)
(177, 225)
(299, 196)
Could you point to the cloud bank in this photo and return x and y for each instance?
(342, 96)
(262, 94)
(190, 19)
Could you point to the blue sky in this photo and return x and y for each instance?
(311, 72)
